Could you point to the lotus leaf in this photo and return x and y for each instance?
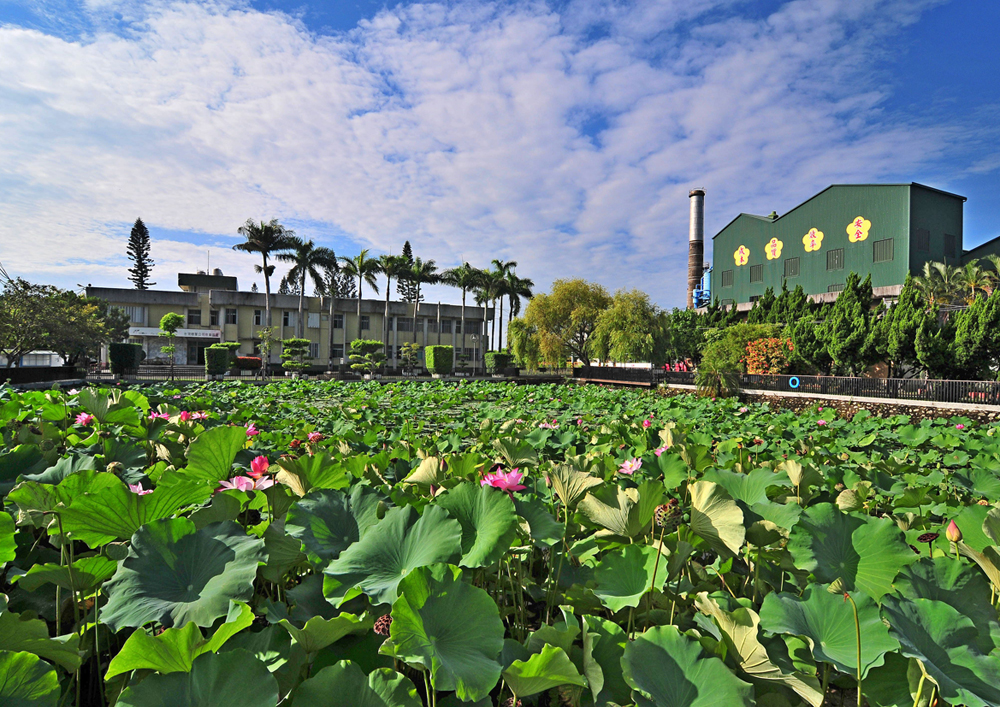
(328, 521)
(542, 671)
(716, 518)
(344, 685)
(212, 453)
(22, 633)
(27, 681)
(625, 575)
(488, 520)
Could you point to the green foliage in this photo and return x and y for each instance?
(566, 317)
(440, 359)
(525, 344)
(497, 361)
(217, 360)
(367, 355)
(630, 330)
(294, 353)
(138, 252)
(409, 355)
(170, 323)
(725, 353)
(125, 358)
(845, 332)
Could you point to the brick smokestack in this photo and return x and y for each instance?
(696, 242)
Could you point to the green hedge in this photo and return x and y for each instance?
(439, 359)
(216, 360)
(496, 361)
(125, 358)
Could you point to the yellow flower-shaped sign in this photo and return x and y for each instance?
(742, 255)
(773, 249)
(858, 229)
(812, 240)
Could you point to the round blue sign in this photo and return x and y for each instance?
(793, 382)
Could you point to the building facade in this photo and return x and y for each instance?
(885, 230)
(215, 311)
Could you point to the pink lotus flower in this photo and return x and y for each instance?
(264, 483)
(959, 426)
(72, 391)
(820, 422)
(159, 416)
(259, 466)
(138, 489)
(630, 466)
(579, 421)
(953, 533)
(314, 437)
(508, 481)
(821, 409)
(252, 430)
(84, 419)
(199, 416)
(647, 423)
(185, 416)
(178, 397)
(237, 483)
(744, 409)
(660, 450)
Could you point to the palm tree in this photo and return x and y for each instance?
(365, 269)
(421, 272)
(974, 278)
(392, 266)
(484, 295)
(330, 284)
(466, 278)
(308, 261)
(993, 276)
(939, 283)
(517, 287)
(503, 272)
(264, 238)
(492, 288)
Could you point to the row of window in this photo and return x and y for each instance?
(390, 352)
(922, 242)
(882, 252)
(289, 318)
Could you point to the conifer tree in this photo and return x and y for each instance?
(405, 287)
(138, 253)
(845, 331)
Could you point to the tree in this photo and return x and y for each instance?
(525, 344)
(25, 311)
(683, 335)
(293, 354)
(566, 317)
(846, 329)
(79, 325)
(629, 330)
(517, 287)
(974, 279)
(504, 271)
(762, 308)
(894, 336)
(367, 355)
(363, 269)
(308, 261)
(138, 253)
(977, 338)
(406, 289)
(169, 324)
(466, 278)
(488, 290)
(935, 348)
(393, 267)
(264, 238)
(421, 273)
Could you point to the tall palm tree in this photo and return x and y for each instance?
(264, 238)
(422, 272)
(974, 279)
(503, 270)
(939, 283)
(308, 261)
(392, 266)
(491, 287)
(517, 287)
(330, 285)
(365, 269)
(484, 296)
(466, 278)
(992, 263)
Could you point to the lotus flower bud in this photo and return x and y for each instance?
(953, 533)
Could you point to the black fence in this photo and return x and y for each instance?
(39, 374)
(635, 376)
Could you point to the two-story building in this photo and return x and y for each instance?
(214, 310)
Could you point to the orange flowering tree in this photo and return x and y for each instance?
(768, 356)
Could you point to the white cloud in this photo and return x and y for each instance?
(457, 127)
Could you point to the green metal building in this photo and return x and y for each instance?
(886, 230)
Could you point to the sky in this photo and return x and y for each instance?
(563, 135)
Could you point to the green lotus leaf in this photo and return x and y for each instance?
(538, 523)
(716, 518)
(230, 678)
(21, 633)
(318, 633)
(570, 484)
(283, 552)
(626, 514)
(957, 584)
(665, 668)
(740, 631)
(116, 513)
(399, 543)
(15, 462)
(328, 521)
(224, 506)
(897, 683)
(35, 499)
(344, 685)
(85, 574)
(211, 455)
(603, 647)
(865, 553)
(318, 471)
(450, 628)
(174, 574)
(27, 681)
(542, 671)
(108, 406)
(8, 547)
(826, 621)
(488, 520)
(991, 525)
(947, 643)
(175, 649)
(625, 575)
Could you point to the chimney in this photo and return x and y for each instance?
(696, 242)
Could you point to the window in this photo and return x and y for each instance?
(950, 246)
(835, 288)
(835, 259)
(470, 354)
(258, 316)
(882, 251)
(754, 298)
(404, 324)
(727, 278)
(230, 315)
(756, 273)
(312, 320)
(365, 322)
(338, 321)
(791, 267)
(136, 314)
(338, 350)
(432, 326)
(289, 318)
(213, 317)
(727, 303)
(922, 239)
(445, 326)
(194, 317)
(313, 349)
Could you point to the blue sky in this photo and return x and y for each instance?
(563, 135)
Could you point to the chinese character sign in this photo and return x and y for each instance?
(812, 240)
(742, 255)
(858, 230)
(773, 249)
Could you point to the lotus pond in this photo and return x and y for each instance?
(325, 544)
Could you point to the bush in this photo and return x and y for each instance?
(497, 361)
(770, 356)
(367, 355)
(293, 353)
(216, 360)
(439, 359)
(248, 363)
(125, 358)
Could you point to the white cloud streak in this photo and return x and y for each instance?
(462, 127)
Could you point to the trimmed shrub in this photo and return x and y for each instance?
(367, 355)
(439, 359)
(125, 358)
(496, 361)
(293, 353)
(216, 360)
(248, 363)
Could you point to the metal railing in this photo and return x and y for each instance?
(163, 373)
(640, 376)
